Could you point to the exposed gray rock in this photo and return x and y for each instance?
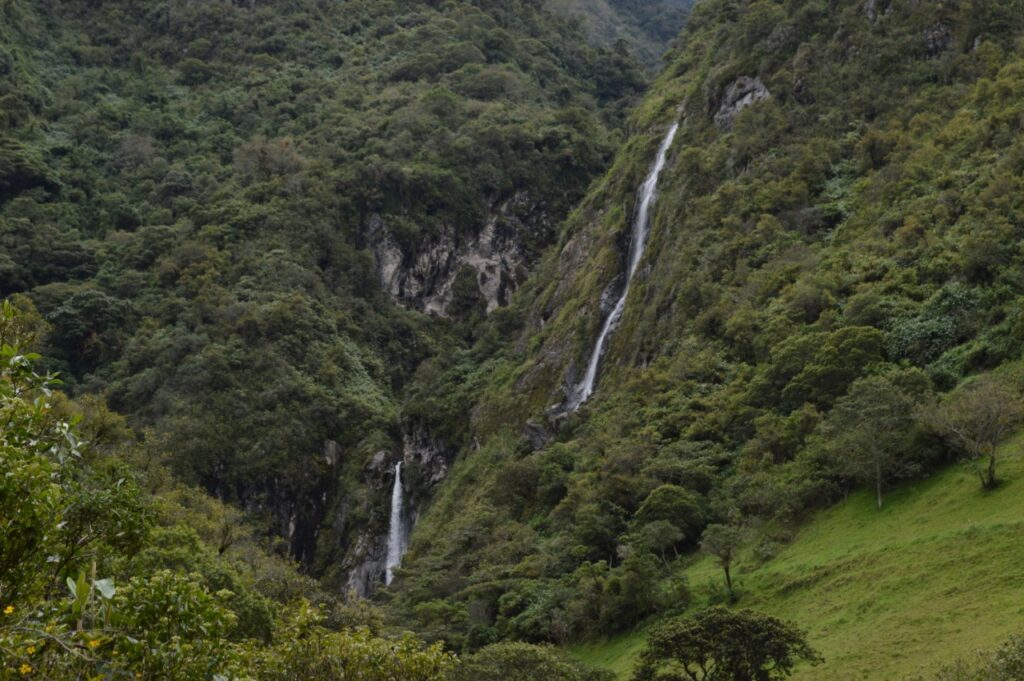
(873, 9)
(537, 435)
(430, 454)
(427, 460)
(495, 253)
(937, 39)
(332, 453)
(366, 571)
(743, 92)
(611, 293)
(380, 463)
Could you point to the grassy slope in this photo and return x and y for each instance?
(934, 576)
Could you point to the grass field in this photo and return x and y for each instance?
(936, 574)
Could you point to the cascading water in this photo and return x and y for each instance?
(396, 531)
(641, 226)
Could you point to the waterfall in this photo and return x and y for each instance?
(396, 531)
(641, 226)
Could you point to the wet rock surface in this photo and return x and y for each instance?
(496, 256)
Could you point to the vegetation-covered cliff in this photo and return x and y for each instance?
(214, 204)
(834, 250)
(297, 243)
(645, 27)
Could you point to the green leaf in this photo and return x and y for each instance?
(105, 587)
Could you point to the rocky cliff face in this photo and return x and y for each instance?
(743, 92)
(425, 462)
(495, 255)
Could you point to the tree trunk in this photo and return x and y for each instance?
(728, 582)
(878, 485)
(990, 475)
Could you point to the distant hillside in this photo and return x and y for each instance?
(645, 26)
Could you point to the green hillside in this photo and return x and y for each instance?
(646, 27)
(886, 594)
(846, 241)
(198, 198)
(437, 327)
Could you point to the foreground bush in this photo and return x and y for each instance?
(524, 662)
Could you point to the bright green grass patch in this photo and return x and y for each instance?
(933, 576)
(617, 655)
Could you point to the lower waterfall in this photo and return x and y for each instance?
(641, 227)
(396, 530)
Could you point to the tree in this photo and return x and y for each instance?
(869, 433)
(721, 645)
(659, 536)
(38, 451)
(977, 417)
(674, 504)
(722, 541)
(305, 649)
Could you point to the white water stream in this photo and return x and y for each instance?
(396, 530)
(641, 227)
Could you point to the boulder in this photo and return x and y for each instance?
(743, 92)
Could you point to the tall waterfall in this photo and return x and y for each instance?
(396, 531)
(641, 226)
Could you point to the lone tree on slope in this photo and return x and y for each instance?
(869, 433)
(976, 418)
(723, 645)
(722, 541)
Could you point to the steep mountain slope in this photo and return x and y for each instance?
(211, 202)
(841, 213)
(645, 27)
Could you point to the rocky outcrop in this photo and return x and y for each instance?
(743, 92)
(366, 571)
(425, 463)
(495, 255)
(873, 9)
(536, 436)
(428, 454)
(937, 39)
(365, 550)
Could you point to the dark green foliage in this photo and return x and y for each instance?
(812, 266)
(90, 588)
(523, 662)
(188, 191)
(20, 170)
(870, 435)
(723, 645)
(673, 504)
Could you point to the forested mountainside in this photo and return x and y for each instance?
(215, 204)
(646, 27)
(832, 274)
(324, 279)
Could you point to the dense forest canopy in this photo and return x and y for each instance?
(645, 26)
(188, 191)
(835, 248)
(268, 265)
